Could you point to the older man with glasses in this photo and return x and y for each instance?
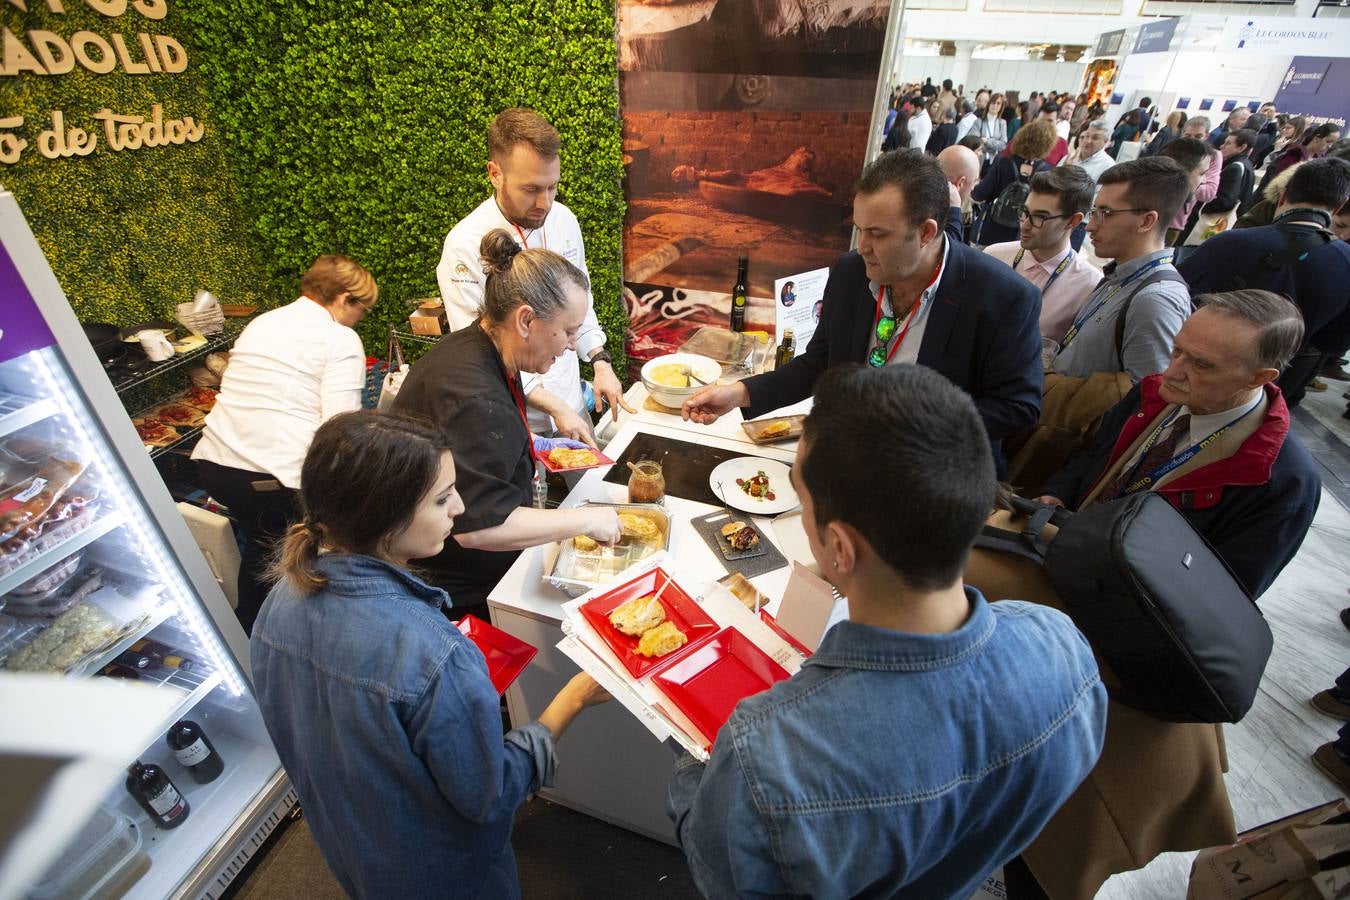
(1129, 322)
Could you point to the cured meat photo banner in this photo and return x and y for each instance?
(745, 126)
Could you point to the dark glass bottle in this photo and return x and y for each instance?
(157, 795)
(786, 350)
(161, 654)
(194, 751)
(739, 297)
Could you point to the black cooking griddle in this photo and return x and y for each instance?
(686, 466)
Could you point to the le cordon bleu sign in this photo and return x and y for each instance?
(41, 52)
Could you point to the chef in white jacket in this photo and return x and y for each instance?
(524, 169)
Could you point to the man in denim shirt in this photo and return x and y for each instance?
(930, 738)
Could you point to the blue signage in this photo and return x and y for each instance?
(1183, 103)
(1229, 105)
(1206, 103)
(1317, 88)
(1155, 37)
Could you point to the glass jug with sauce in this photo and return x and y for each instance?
(647, 483)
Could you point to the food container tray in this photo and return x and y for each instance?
(574, 572)
(104, 860)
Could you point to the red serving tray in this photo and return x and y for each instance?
(600, 460)
(781, 631)
(707, 683)
(680, 608)
(506, 655)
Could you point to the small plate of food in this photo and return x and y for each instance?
(775, 429)
(646, 620)
(567, 459)
(754, 485)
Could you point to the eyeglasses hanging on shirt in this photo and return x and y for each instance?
(886, 324)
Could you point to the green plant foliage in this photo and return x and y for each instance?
(128, 233)
(359, 127)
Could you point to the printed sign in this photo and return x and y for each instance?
(798, 307)
(1155, 37)
(1108, 43)
(22, 328)
(1317, 88)
(1276, 35)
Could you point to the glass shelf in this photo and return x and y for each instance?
(19, 412)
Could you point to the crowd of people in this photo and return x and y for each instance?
(966, 341)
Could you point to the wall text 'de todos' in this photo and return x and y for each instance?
(40, 52)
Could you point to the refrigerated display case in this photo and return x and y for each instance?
(99, 579)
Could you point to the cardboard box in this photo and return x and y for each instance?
(429, 318)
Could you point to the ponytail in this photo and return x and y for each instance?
(295, 555)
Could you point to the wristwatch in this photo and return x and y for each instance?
(603, 356)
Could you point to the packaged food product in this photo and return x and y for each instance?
(66, 641)
(24, 504)
(46, 582)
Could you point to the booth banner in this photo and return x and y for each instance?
(1316, 87)
(22, 327)
(1108, 43)
(1276, 35)
(746, 123)
(1155, 37)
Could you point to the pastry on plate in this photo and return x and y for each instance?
(776, 429)
(639, 528)
(638, 616)
(664, 638)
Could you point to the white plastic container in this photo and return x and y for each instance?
(103, 861)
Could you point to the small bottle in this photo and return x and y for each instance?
(157, 795)
(786, 350)
(194, 751)
(739, 297)
(161, 654)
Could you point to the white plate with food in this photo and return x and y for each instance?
(754, 485)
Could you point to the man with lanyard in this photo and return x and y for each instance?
(1058, 202)
(1211, 434)
(1296, 256)
(524, 168)
(1129, 321)
(910, 294)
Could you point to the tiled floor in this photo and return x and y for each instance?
(1270, 773)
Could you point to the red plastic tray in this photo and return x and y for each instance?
(680, 609)
(781, 631)
(600, 460)
(506, 655)
(707, 683)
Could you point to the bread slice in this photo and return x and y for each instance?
(664, 638)
(731, 528)
(638, 616)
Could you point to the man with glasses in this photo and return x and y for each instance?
(1129, 321)
(909, 294)
(1058, 202)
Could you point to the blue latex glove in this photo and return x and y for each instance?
(544, 445)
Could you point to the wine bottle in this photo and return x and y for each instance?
(786, 350)
(194, 751)
(162, 654)
(157, 794)
(739, 297)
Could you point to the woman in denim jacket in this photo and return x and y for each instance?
(381, 711)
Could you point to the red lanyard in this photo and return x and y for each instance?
(543, 240)
(519, 396)
(913, 311)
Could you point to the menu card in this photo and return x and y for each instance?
(689, 693)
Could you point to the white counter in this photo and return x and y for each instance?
(610, 766)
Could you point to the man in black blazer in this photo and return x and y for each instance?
(944, 306)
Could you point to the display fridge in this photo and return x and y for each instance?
(101, 584)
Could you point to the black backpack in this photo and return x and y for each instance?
(1010, 201)
(1160, 607)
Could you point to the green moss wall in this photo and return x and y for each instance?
(130, 233)
(360, 127)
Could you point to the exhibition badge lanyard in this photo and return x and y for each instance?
(1177, 461)
(1059, 269)
(885, 334)
(518, 395)
(1082, 318)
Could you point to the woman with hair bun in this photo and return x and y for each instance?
(381, 711)
(534, 301)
